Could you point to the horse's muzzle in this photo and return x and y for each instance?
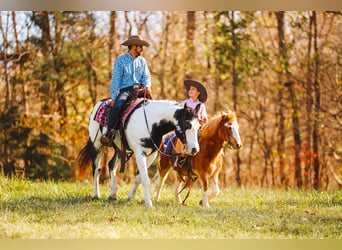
(238, 145)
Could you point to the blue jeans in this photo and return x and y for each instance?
(116, 110)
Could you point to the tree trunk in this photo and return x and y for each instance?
(309, 103)
(190, 48)
(190, 34)
(163, 53)
(283, 64)
(91, 73)
(8, 99)
(296, 134)
(317, 107)
(111, 41)
(128, 22)
(235, 52)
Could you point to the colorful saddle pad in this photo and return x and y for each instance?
(169, 140)
(103, 112)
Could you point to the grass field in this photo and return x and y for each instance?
(51, 210)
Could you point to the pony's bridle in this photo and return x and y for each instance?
(229, 143)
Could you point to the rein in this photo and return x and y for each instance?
(189, 180)
(148, 129)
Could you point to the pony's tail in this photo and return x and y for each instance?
(85, 158)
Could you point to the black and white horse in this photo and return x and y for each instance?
(144, 131)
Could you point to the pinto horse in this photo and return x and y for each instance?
(144, 131)
(221, 130)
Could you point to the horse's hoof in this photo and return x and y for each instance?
(110, 198)
(95, 198)
(200, 203)
(149, 204)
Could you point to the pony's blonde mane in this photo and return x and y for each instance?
(210, 128)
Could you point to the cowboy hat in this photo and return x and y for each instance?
(135, 40)
(203, 92)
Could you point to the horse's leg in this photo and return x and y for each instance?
(96, 174)
(205, 200)
(136, 182)
(113, 164)
(164, 167)
(137, 179)
(145, 180)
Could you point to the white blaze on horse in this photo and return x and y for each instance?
(144, 131)
(220, 131)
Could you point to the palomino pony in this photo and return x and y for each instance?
(221, 130)
(144, 131)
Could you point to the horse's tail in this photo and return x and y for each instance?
(85, 158)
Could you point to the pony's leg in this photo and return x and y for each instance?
(164, 168)
(145, 180)
(205, 200)
(178, 187)
(215, 190)
(96, 174)
(113, 164)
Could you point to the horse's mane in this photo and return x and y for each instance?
(211, 127)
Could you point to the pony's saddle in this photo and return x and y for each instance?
(180, 162)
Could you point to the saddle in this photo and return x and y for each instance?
(180, 162)
(136, 98)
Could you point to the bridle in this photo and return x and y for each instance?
(229, 143)
(153, 142)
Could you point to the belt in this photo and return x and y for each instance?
(134, 86)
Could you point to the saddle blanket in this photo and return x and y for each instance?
(103, 111)
(168, 142)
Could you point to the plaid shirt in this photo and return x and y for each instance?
(128, 71)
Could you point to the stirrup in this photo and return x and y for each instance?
(175, 162)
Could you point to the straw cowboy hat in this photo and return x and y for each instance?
(135, 40)
(203, 92)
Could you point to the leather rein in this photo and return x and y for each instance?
(154, 144)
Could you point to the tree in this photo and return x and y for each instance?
(317, 104)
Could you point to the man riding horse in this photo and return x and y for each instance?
(129, 73)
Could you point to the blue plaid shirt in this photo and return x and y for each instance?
(128, 71)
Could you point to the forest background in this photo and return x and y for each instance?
(280, 71)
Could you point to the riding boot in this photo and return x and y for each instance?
(108, 138)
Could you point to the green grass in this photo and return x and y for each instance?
(66, 210)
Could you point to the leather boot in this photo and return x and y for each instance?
(107, 139)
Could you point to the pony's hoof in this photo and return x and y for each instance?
(203, 205)
(95, 198)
